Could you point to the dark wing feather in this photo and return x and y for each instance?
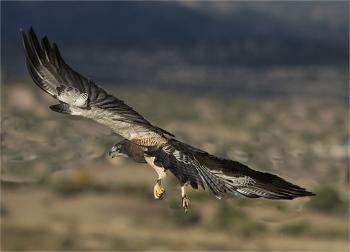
(185, 167)
(49, 72)
(222, 176)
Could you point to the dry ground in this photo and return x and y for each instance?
(61, 192)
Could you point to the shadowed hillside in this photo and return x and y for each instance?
(183, 46)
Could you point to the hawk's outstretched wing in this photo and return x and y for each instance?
(222, 176)
(77, 94)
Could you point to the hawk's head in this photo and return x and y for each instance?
(119, 149)
(128, 149)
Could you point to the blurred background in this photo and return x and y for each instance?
(263, 83)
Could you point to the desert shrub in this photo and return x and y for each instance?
(199, 196)
(328, 200)
(177, 216)
(73, 186)
(82, 182)
(123, 244)
(79, 182)
(296, 229)
(330, 233)
(189, 218)
(236, 220)
(303, 228)
(251, 228)
(139, 190)
(281, 206)
(10, 184)
(228, 216)
(68, 187)
(3, 210)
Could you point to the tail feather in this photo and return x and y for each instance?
(239, 178)
(283, 190)
(256, 184)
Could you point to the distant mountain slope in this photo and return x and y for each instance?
(123, 40)
(125, 23)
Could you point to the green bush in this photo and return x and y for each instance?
(82, 184)
(236, 220)
(328, 200)
(296, 229)
(228, 216)
(331, 233)
(179, 217)
(251, 228)
(303, 228)
(68, 187)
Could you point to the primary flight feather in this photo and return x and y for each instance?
(145, 142)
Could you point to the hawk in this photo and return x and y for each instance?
(144, 142)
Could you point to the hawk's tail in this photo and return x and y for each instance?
(270, 186)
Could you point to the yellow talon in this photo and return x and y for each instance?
(185, 200)
(158, 191)
(185, 203)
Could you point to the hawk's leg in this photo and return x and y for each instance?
(184, 198)
(158, 190)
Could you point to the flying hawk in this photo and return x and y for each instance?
(143, 141)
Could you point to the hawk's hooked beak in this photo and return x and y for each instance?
(115, 152)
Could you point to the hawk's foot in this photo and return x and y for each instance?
(184, 198)
(158, 190)
(185, 203)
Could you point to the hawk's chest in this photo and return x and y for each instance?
(160, 170)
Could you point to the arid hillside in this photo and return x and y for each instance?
(61, 191)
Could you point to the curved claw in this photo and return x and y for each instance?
(185, 203)
(158, 191)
